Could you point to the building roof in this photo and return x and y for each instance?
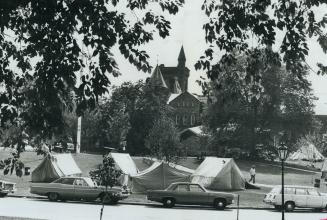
(181, 55)
(170, 70)
(157, 79)
(198, 130)
(172, 97)
(176, 87)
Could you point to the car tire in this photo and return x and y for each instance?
(278, 207)
(168, 202)
(220, 204)
(289, 206)
(53, 196)
(108, 199)
(3, 194)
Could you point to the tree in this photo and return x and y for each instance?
(232, 25)
(112, 124)
(106, 175)
(249, 110)
(163, 139)
(69, 41)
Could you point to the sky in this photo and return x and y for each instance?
(187, 31)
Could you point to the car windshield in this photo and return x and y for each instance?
(275, 190)
(58, 180)
(90, 182)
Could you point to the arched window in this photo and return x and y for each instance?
(184, 119)
(192, 119)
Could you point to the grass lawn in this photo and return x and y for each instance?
(266, 174)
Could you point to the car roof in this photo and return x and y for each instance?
(295, 186)
(185, 183)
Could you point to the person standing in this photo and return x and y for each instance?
(252, 174)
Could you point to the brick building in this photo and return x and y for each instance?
(187, 107)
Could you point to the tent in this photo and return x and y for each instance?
(159, 176)
(308, 152)
(55, 166)
(219, 174)
(324, 170)
(126, 165)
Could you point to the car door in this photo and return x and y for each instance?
(197, 195)
(314, 199)
(300, 197)
(66, 188)
(83, 190)
(181, 194)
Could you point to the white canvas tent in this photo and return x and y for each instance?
(125, 163)
(159, 176)
(219, 174)
(308, 152)
(54, 166)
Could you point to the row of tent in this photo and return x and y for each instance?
(213, 173)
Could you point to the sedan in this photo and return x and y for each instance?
(190, 194)
(78, 188)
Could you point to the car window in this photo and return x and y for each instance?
(58, 181)
(289, 191)
(196, 188)
(275, 190)
(313, 192)
(68, 181)
(301, 191)
(80, 182)
(182, 188)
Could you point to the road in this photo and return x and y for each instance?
(43, 209)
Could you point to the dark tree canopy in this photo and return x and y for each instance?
(51, 42)
(247, 112)
(233, 24)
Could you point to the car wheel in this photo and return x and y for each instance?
(53, 196)
(3, 194)
(289, 206)
(318, 210)
(108, 199)
(168, 202)
(278, 207)
(220, 204)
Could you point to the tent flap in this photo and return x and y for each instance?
(219, 174)
(159, 176)
(55, 166)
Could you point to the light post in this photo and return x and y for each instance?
(282, 152)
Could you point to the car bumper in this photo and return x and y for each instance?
(268, 201)
(123, 196)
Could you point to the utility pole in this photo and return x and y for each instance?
(79, 129)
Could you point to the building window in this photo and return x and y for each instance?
(184, 120)
(192, 119)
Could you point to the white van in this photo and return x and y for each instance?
(296, 196)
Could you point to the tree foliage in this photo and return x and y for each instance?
(163, 139)
(233, 25)
(250, 110)
(53, 44)
(106, 174)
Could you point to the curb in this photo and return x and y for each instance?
(144, 203)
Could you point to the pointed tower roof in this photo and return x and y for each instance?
(157, 79)
(181, 56)
(176, 87)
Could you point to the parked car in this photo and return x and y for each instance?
(6, 187)
(296, 196)
(190, 194)
(78, 188)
